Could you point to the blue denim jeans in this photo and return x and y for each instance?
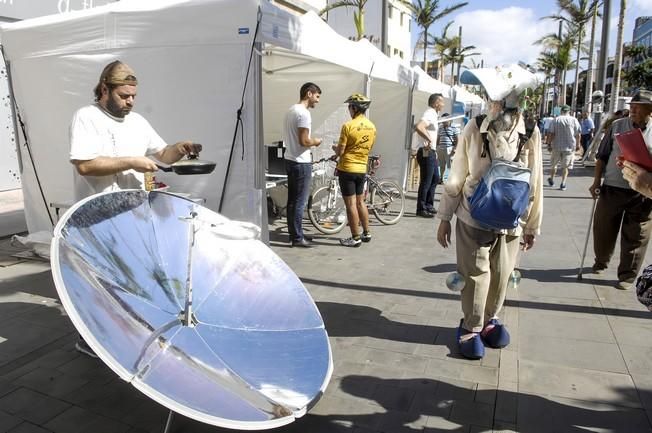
(299, 183)
(428, 179)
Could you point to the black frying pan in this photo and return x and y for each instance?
(192, 165)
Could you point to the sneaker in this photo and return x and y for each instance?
(562, 187)
(598, 268)
(350, 242)
(84, 348)
(550, 181)
(469, 344)
(365, 237)
(425, 214)
(624, 285)
(494, 334)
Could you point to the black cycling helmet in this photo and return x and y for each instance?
(359, 101)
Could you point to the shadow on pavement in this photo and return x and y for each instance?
(428, 406)
(346, 320)
(546, 306)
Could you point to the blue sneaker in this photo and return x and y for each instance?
(471, 348)
(494, 334)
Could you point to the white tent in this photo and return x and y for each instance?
(191, 58)
(183, 53)
(340, 67)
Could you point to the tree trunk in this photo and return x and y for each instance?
(453, 73)
(425, 49)
(544, 98)
(563, 88)
(576, 83)
(618, 60)
(588, 107)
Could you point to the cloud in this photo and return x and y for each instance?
(642, 7)
(504, 36)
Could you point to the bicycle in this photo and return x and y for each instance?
(384, 198)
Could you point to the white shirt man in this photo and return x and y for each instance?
(427, 129)
(297, 139)
(110, 145)
(95, 133)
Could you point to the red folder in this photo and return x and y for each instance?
(632, 146)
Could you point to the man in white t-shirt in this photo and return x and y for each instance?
(427, 130)
(564, 136)
(298, 160)
(110, 145)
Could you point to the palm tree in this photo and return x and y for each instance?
(561, 49)
(639, 75)
(589, 69)
(425, 13)
(546, 63)
(442, 44)
(457, 55)
(576, 15)
(618, 60)
(358, 16)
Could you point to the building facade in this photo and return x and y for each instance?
(14, 10)
(301, 6)
(395, 22)
(643, 32)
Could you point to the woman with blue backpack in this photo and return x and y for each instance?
(495, 190)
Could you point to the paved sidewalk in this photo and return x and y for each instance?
(579, 361)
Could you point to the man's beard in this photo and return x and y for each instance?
(502, 120)
(115, 110)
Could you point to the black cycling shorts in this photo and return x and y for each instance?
(351, 183)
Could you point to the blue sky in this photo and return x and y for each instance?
(503, 30)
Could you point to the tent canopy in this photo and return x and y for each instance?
(191, 58)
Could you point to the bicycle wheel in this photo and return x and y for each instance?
(327, 212)
(388, 202)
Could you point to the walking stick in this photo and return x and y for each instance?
(588, 233)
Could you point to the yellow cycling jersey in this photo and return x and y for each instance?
(358, 136)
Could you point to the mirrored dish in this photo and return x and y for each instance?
(190, 308)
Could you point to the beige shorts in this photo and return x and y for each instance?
(563, 158)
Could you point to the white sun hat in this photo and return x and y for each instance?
(506, 82)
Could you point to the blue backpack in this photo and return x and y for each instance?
(503, 194)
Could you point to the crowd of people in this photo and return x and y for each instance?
(111, 147)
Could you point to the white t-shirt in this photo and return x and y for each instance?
(94, 133)
(297, 117)
(432, 127)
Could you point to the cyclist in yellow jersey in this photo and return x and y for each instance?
(356, 140)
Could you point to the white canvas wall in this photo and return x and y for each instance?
(187, 90)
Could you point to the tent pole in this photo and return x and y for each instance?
(168, 423)
(408, 132)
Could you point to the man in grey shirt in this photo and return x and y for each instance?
(564, 142)
(620, 209)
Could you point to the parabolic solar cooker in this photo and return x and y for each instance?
(191, 309)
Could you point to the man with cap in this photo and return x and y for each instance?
(621, 209)
(110, 145)
(486, 257)
(564, 136)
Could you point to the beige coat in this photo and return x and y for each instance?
(468, 167)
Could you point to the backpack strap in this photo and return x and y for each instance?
(485, 137)
(522, 139)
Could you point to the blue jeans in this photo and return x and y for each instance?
(428, 179)
(299, 182)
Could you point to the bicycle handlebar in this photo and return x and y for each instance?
(330, 158)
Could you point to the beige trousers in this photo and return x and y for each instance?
(486, 260)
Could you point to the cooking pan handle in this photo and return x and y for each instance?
(163, 168)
